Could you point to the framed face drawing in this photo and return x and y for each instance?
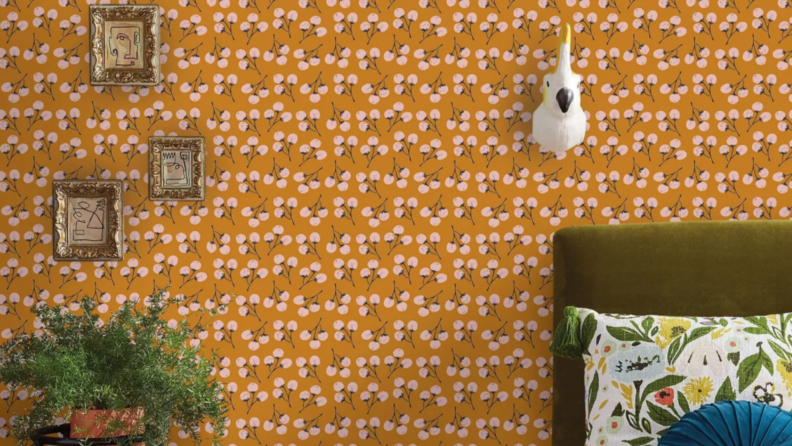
(176, 168)
(125, 45)
(88, 223)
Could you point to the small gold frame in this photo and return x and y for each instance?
(88, 220)
(176, 168)
(125, 44)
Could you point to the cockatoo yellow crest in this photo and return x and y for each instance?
(559, 123)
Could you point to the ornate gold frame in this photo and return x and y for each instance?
(150, 73)
(196, 145)
(113, 191)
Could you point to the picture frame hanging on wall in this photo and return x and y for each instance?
(125, 44)
(177, 166)
(88, 221)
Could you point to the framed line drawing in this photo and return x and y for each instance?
(88, 220)
(176, 168)
(125, 44)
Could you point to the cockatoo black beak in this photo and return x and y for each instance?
(564, 98)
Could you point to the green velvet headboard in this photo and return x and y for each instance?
(680, 269)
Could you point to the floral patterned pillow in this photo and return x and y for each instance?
(643, 373)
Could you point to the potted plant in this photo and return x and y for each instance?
(131, 372)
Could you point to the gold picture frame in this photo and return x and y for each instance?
(125, 44)
(176, 168)
(88, 221)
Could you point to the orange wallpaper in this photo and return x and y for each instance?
(378, 219)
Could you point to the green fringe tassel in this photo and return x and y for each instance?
(566, 342)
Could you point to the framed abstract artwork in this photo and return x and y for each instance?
(125, 44)
(176, 168)
(88, 220)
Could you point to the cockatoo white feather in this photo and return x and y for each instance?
(559, 123)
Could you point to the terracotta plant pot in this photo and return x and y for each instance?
(106, 423)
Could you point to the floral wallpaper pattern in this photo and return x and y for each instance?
(378, 229)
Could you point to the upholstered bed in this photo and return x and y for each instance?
(692, 269)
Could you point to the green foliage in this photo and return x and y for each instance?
(133, 359)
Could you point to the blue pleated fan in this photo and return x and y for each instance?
(731, 423)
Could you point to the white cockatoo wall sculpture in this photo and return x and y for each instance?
(559, 123)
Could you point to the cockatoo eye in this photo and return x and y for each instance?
(548, 83)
